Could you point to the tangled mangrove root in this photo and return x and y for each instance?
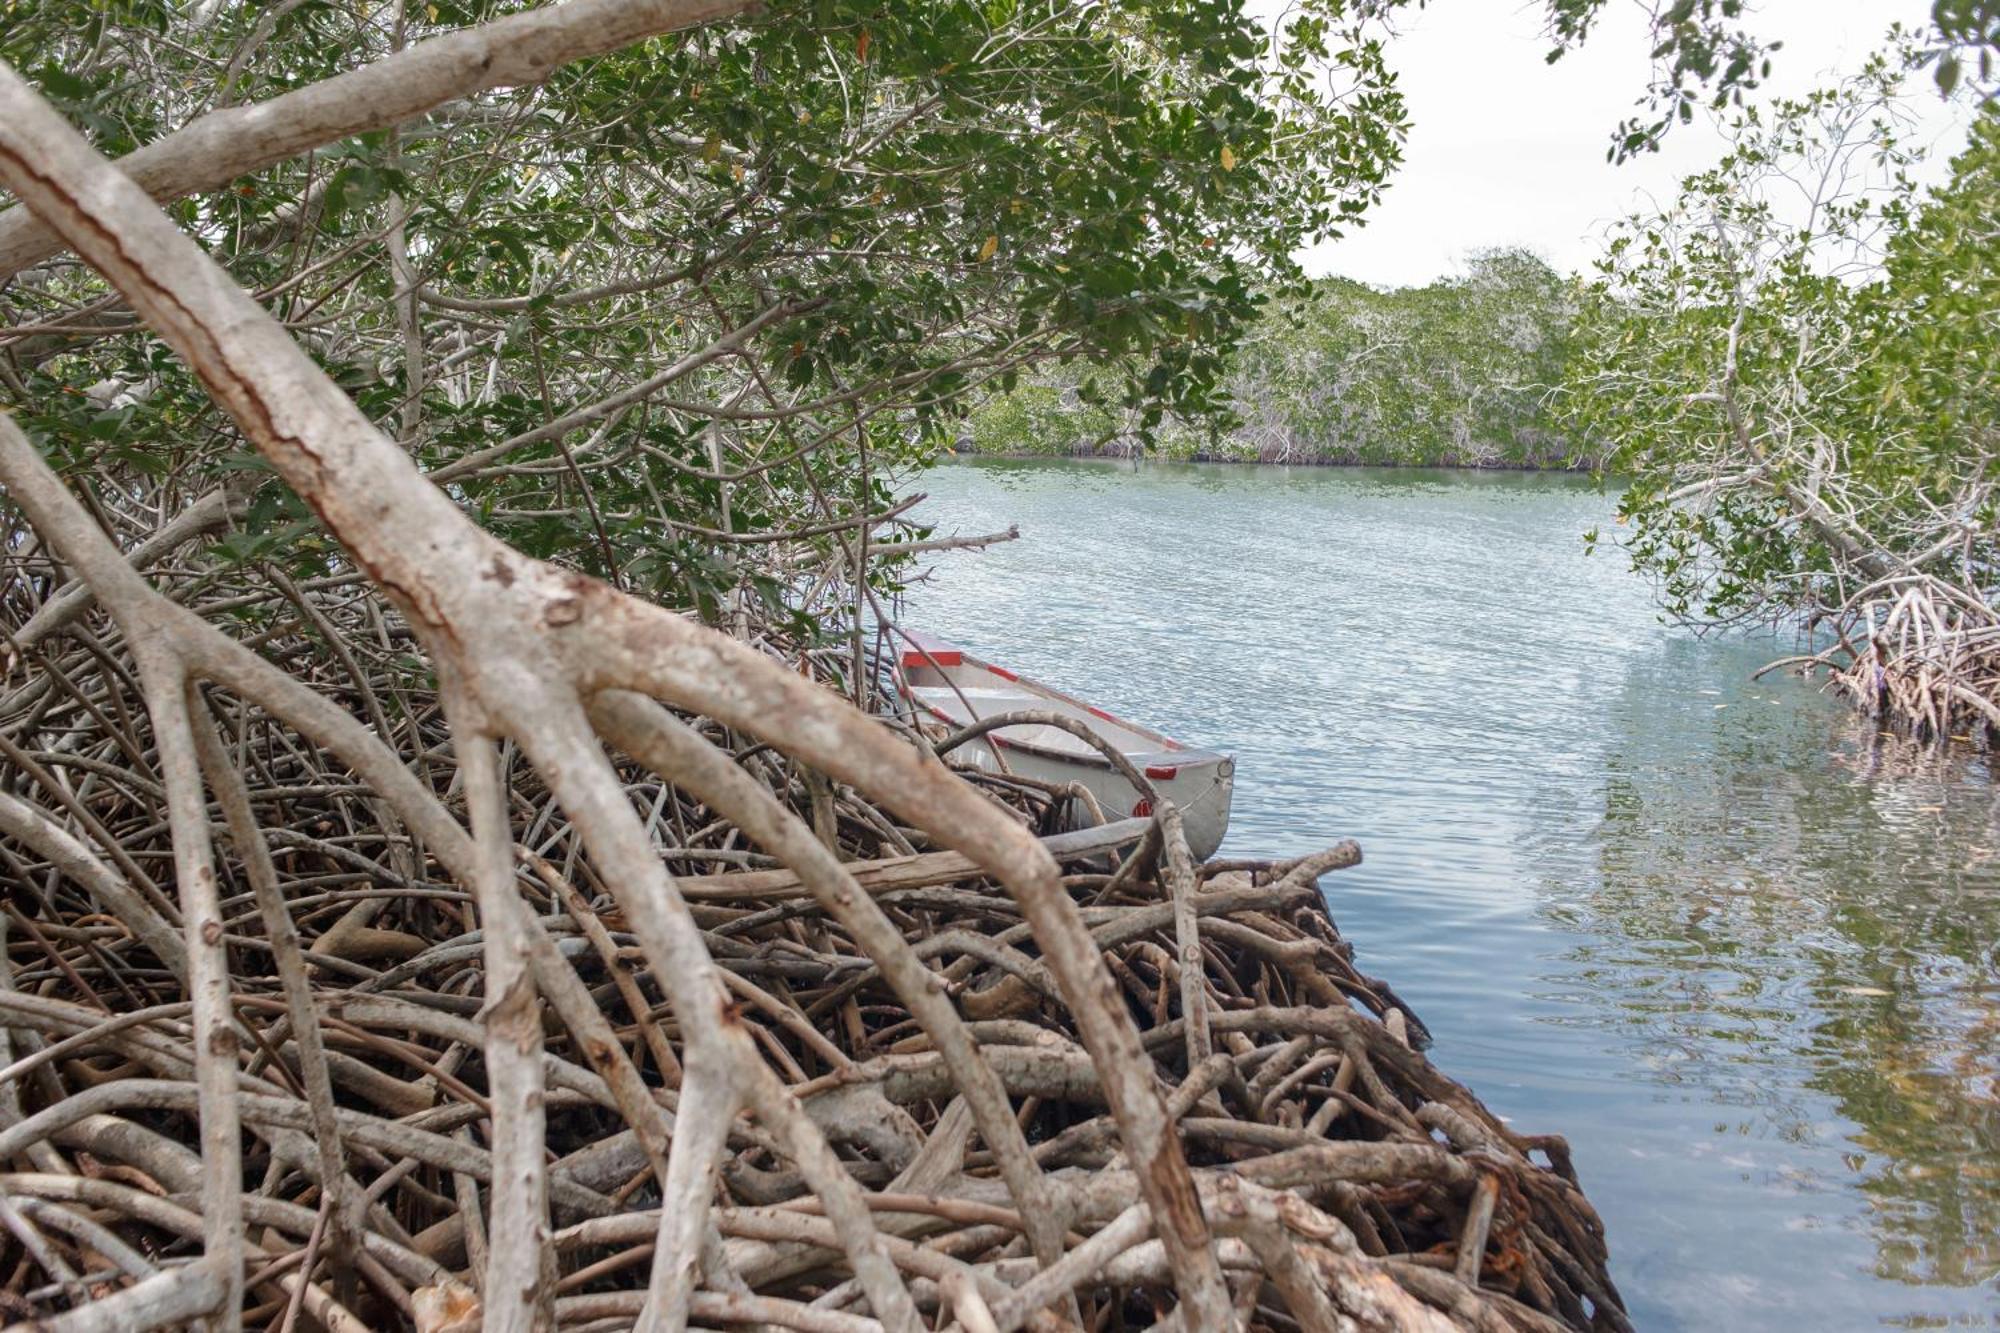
(1931, 664)
(1343, 1176)
(1918, 654)
(460, 942)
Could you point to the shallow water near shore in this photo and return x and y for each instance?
(1736, 946)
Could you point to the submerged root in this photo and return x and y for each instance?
(1919, 655)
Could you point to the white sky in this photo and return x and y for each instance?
(1507, 150)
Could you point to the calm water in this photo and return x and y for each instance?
(1737, 947)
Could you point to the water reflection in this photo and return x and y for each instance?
(1787, 904)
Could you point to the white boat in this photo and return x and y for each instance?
(948, 685)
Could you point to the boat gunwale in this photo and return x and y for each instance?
(1184, 756)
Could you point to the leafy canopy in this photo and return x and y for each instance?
(711, 290)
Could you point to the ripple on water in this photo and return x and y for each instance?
(1738, 948)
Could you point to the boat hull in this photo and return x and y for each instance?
(949, 687)
(1201, 791)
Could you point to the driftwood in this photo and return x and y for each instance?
(334, 1000)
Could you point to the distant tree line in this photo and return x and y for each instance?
(1457, 373)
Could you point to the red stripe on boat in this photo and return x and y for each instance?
(1160, 771)
(943, 659)
(1001, 672)
(1100, 713)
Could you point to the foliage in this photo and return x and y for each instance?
(1455, 373)
(1804, 395)
(1709, 51)
(687, 298)
(1782, 390)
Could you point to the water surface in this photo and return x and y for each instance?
(1733, 943)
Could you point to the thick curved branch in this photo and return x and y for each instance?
(520, 1266)
(720, 1052)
